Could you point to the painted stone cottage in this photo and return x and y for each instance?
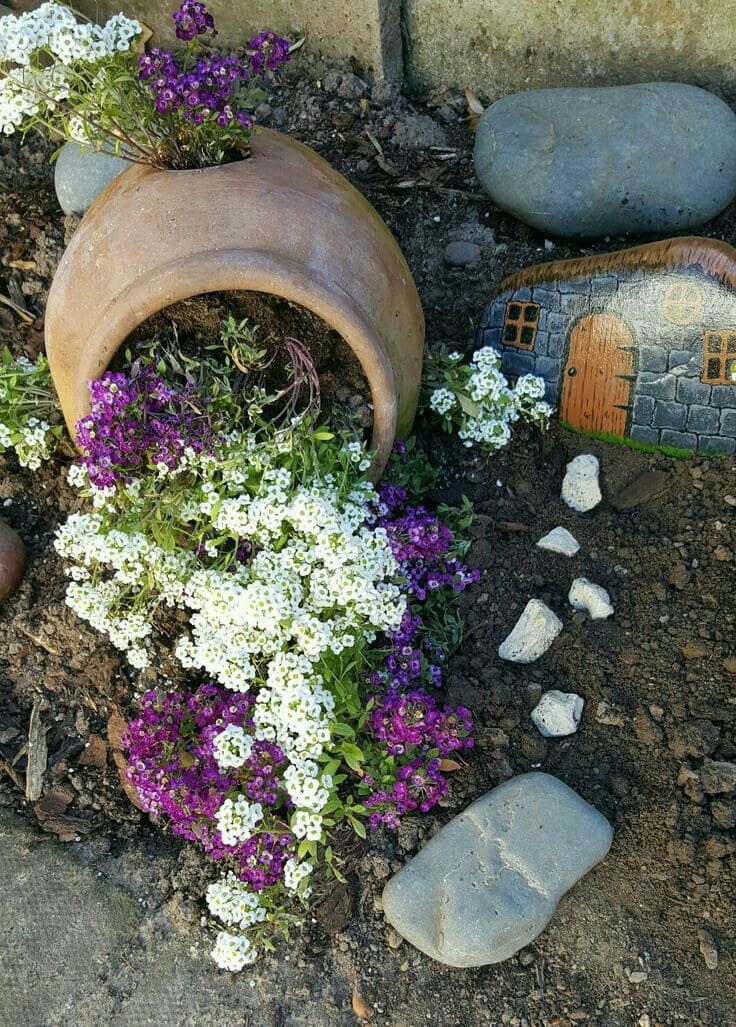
(638, 344)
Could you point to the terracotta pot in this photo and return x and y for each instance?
(282, 222)
(12, 560)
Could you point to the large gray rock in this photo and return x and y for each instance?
(80, 175)
(488, 883)
(657, 157)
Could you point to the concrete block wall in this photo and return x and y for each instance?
(497, 47)
(494, 47)
(368, 31)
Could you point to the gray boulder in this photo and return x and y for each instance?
(80, 175)
(657, 157)
(489, 882)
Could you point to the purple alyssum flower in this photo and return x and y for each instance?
(208, 89)
(138, 420)
(172, 765)
(415, 722)
(268, 51)
(193, 19)
(419, 784)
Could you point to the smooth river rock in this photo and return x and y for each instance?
(656, 157)
(12, 560)
(490, 881)
(80, 175)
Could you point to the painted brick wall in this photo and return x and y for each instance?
(671, 406)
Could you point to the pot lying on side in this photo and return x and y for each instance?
(281, 222)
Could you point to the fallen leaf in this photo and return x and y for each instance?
(67, 828)
(37, 756)
(116, 728)
(380, 158)
(54, 802)
(333, 910)
(648, 486)
(360, 1007)
(19, 310)
(475, 108)
(432, 173)
(145, 35)
(52, 816)
(14, 777)
(439, 98)
(23, 265)
(128, 787)
(449, 766)
(94, 753)
(511, 527)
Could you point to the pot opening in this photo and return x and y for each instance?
(197, 322)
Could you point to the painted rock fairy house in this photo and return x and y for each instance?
(638, 344)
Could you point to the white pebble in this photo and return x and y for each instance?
(580, 488)
(559, 540)
(533, 634)
(584, 595)
(558, 714)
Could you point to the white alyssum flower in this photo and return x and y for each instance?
(478, 402)
(442, 401)
(41, 48)
(295, 873)
(232, 747)
(237, 819)
(320, 579)
(233, 902)
(232, 951)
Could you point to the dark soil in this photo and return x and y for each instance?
(197, 322)
(626, 945)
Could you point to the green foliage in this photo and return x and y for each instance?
(30, 421)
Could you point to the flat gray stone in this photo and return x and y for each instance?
(656, 157)
(64, 930)
(490, 881)
(462, 253)
(80, 175)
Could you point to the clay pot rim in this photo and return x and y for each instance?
(366, 295)
(255, 271)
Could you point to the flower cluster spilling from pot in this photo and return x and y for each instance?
(91, 84)
(311, 611)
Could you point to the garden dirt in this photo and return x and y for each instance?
(647, 938)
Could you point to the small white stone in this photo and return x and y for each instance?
(558, 714)
(559, 540)
(533, 634)
(580, 488)
(584, 595)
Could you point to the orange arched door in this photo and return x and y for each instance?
(598, 377)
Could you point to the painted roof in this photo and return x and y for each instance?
(715, 259)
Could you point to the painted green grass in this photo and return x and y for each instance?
(645, 447)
